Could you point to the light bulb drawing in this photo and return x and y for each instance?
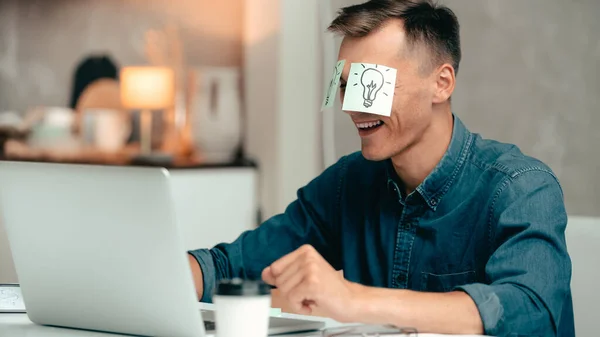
(372, 80)
(370, 89)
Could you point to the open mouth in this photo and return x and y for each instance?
(366, 126)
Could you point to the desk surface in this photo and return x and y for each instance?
(19, 325)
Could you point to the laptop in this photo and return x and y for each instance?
(98, 248)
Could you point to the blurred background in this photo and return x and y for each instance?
(238, 86)
(529, 76)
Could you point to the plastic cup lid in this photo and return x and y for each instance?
(239, 287)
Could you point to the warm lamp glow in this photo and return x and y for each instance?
(147, 87)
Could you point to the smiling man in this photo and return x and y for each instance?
(434, 227)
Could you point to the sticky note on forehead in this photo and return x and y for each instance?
(331, 92)
(370, 89)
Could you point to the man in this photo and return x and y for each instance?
(434, 227)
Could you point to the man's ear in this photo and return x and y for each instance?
(445, 81)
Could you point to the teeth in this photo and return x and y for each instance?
(367, 125)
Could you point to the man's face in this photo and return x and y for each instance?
(412, 105)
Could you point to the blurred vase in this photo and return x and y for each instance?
(216, 113)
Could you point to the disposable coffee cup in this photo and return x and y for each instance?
(242, 308)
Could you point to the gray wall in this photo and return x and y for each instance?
(530, 76)
(41, 41)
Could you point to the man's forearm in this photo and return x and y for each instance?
(451, 313)
(197, 274)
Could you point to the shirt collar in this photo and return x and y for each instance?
(439, 181)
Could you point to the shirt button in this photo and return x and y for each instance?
(433, 202)
(401, 278)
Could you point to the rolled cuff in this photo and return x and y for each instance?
(207, 265)
(489, 306)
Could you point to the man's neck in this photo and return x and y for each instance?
(417, 162)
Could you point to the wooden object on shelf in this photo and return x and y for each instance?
(16, 150)
(20, 151)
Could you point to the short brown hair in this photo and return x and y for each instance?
(426, 23)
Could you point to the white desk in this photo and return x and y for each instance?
(19, 325)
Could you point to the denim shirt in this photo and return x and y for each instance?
(488, 221)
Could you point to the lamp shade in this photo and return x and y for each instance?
(147, 87)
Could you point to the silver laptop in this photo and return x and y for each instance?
(98, 248)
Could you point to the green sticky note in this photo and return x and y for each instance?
(334, 84)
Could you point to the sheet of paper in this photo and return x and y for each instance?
(334, 84)
(11, 299)
(370, 89)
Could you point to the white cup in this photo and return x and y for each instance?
(106, 129)
(242, 308)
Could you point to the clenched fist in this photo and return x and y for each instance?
(311, 285)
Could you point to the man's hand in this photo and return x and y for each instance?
(311, 285)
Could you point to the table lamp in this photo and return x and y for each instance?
(146, 89)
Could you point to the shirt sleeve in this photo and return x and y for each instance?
(311, 219)
(529, 271)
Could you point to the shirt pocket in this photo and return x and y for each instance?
(441, 283)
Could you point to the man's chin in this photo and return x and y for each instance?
(372, 155)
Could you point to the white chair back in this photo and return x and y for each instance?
(583, 243)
